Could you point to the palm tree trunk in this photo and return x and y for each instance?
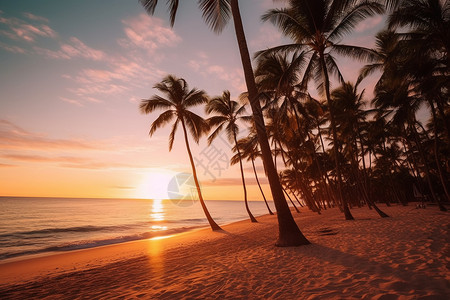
(288, 232)
(211, 221)
(259, 185)
(436, 158)
(252, 218)
(290, 199)
(347, 213)
(426, 169)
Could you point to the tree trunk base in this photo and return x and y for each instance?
(294, 240)
(348, 214)
(442, 207)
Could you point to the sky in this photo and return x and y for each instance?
(72, 75)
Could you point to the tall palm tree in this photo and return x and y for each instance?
(350, 116)
(176, 105)
(316, 28)
(250, 151)
(227, 113)
(428, 45)
(217, 13)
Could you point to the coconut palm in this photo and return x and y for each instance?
(217, 13)
(176, 105)
(250, 151)
(350, 116)
(427, 48)
(316, 28)
(227, 113)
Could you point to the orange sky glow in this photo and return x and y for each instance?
(71, 80)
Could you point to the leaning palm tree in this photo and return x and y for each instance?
(316, 28)
(250, 151)
(227, 113)
(179, 99)
(217, 13)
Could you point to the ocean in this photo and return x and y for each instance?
(31, 226)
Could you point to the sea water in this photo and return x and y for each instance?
(41, 225)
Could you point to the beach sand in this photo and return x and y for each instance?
(406, 256)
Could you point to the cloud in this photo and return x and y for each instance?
(369, 24)
(229, 181)
(268, 36)
(13, 49)
(6, 165)
(15, 137)
(72, 101)
(148, 33)
(72, 49)
(22, 30)
(40, 158)
(36, 18)
(68, 161)
(234, 77)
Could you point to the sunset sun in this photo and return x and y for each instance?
(153, 184)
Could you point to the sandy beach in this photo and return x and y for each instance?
(406, 256)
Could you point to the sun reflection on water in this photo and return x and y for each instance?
(157, 213)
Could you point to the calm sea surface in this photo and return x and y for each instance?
(38, 225)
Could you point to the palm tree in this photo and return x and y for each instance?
(217, 13)
(428, 44)
(249, 146)
(350, 116)
(228, 113)
(179, 99)
(316, 28)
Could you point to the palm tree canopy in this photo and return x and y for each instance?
(316, 28)
(227, 113)
(177, 101)
(216, 13)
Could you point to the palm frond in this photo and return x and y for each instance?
(196, 125)
(216, 13)
(156, 102)
(149, 5)
(360, 53)
(353, 15)
(215, 133)
(162, 120)
(195, 97)
(216, 120)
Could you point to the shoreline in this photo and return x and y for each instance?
(402, 257)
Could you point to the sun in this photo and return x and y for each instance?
(153, 184)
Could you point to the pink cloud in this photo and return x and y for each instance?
(6, 165)
(13, 49)
(268, 36)
(369, 24)
(15, 137)
(74, 48)
(22, 30)
(36, 18)
(72, 101)
(148, 33)
(234, 77)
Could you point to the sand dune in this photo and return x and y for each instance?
(406, 256)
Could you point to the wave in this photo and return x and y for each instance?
(85, 244)
(91, 228)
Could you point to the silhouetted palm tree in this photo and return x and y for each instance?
(217, 13)
(350, 116)
(176, 104)
(227, 113)
(316, 28)
(249, 146)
